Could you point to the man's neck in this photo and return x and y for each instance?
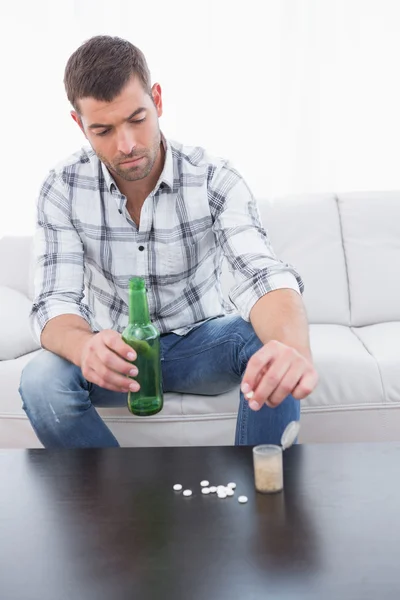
(136, 192)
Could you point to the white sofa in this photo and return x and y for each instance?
(347, 249)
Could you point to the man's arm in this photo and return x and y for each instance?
(66, 335)
(280, 315)
(283, 365)
(245, 243)
(267, 293)
(104, 358)
(59, 318)
(59, 268)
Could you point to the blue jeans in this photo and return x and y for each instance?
(211, 359)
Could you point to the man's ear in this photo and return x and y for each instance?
(78, 120)
(157, 98)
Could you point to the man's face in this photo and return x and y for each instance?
(125, 132)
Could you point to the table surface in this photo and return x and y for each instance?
(107, 525)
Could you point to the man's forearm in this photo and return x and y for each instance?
(280, 315)
(65, 335)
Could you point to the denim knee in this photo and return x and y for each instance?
(251, 343)
(47, 379)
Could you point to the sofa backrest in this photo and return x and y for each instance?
(371, 234)
(345, 247)
(16, 257)
(306, 232)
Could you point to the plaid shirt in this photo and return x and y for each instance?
(87, 246)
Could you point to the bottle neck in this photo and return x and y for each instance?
(138, 307)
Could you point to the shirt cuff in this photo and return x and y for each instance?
(245, 299)
(41, 314)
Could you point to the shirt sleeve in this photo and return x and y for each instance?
(58, 249)
(245, 243)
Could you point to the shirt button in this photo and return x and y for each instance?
(141, 248)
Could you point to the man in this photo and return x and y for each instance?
(137, 204)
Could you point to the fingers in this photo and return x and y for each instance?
(114, 341)
(276, 371)
(270, 382)
(306, 385)
(106, 362)
(257, 364)
(287, 385)
(109, 380)
(112, 361)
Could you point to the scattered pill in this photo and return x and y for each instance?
(222, 491)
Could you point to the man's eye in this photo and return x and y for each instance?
(103, 133)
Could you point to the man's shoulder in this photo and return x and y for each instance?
(82, 163)
(219, 172)
(196, 157)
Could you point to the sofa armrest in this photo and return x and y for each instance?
(16, 338)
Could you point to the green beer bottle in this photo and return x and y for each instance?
(144, 338)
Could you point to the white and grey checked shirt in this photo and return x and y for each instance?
(87, 246)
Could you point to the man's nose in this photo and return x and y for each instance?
(126, 143)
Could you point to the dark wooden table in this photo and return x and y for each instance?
(106, 525)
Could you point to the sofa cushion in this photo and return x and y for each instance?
(371, 234)
(347, 405)
(185, 419)
(382, 342)
(349, 376)
(15, 429)
(305, 231)
(16, 338)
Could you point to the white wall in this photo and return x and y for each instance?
(303, 95)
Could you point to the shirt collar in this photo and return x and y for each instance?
(166, 177)
(108, 178)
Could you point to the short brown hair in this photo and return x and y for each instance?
(101, 67)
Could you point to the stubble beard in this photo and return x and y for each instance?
(142, 170)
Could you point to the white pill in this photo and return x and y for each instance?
(249, 395)
(204, 483)
(205, 490)
(220, 488)
(241, 499)
(221, 495)
(231, 485)
(177, 487)
(213, 489)
(229, 492)
(187, 492)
